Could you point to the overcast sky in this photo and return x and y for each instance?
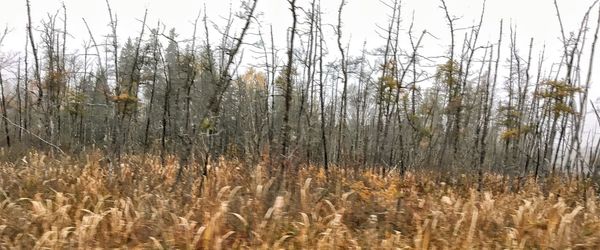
(533, 18)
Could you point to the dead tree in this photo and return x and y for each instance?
(117, 120)
(381, 132)
(20, 117)
(37, 74)
(487, 108)
(453, 126)
(322, 95)
(288, 87)
(131, 93)
(2, 94)
(344, 101)
(4, 113)
(224, 80)
(584, 100)
(155, 62)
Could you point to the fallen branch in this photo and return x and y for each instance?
(34, 135)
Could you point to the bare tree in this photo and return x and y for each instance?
(288, 86)
(37, 73)
(4, 113)
(344, 101)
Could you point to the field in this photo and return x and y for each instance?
(67, 203)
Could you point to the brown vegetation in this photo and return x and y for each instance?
(68, 203)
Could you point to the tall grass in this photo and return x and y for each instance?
(67, 203)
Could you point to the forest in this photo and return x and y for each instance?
(227, 140)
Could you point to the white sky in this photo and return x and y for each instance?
(534, 18)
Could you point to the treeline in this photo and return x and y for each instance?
(487, 106)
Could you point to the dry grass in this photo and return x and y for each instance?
(63, 204)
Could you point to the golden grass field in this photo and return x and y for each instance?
(68, 203)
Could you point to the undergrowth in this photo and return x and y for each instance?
(67, 203)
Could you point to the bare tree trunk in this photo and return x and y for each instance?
(63, 73)
(488, 107)
(322, 96)
(271, 133)
(117, 120)
(344, 67)
(224, 78)
(359, 103)
(132, 89)
(521, 110)
(380, 98)
(27, 118)
(4, 114)
(186, 139)
(190, 78)
(156, 58)
(579, 119)
(37, 73)
(166, 114)
(288, 86)
(454, 90)
(588, 82)
(19, 102)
